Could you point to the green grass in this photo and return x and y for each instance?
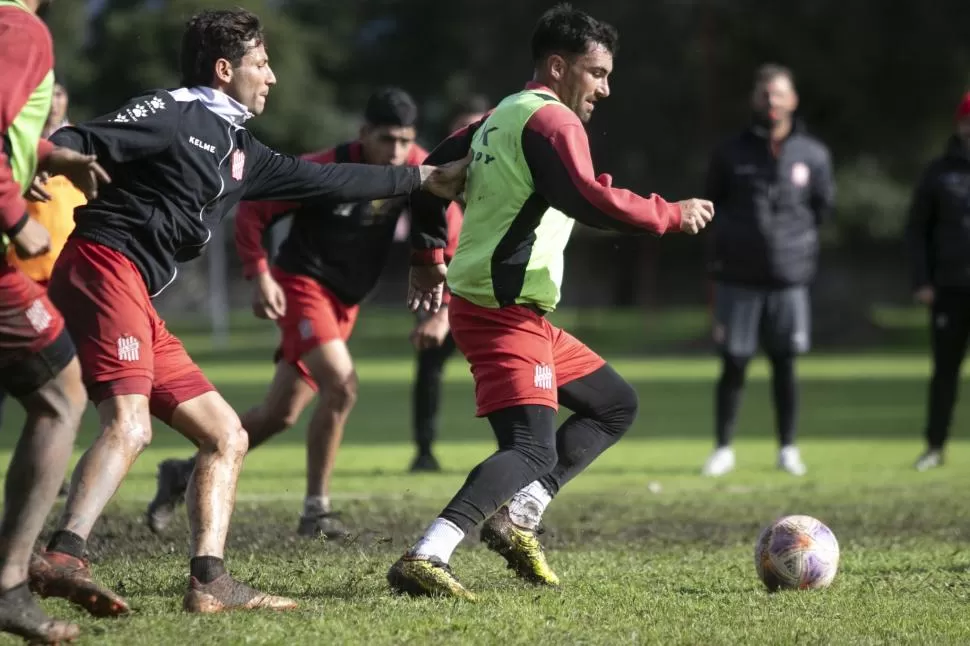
(641, 564)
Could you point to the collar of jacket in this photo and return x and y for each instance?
(957, 149)
(762, 132)
(215, 101)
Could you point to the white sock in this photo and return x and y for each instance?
(440, 539)
(528, 504)
(316, 506)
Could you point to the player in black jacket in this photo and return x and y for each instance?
(180, 161)
(772, 186)
(938, 235)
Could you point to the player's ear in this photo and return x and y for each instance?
(557, 67)
(364, 131)
(224, 71)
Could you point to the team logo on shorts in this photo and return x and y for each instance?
(543, 380)
(800, 174)
(38, 316)
(128, 348)
(238, 164)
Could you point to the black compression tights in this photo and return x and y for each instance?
(530, 448)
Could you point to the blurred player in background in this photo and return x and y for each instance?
(939, 246)
(531, 176)
(184, 159)
(38, 364)
(772, 187)
(330, 261)
(432, 334)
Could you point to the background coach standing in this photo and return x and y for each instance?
(939, 243)
(771, 186)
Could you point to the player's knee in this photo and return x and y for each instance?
(623, 410)
(733, 368)
(279, 418)
(233, 440)
(341, 394)
(128, 431)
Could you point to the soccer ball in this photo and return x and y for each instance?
(796, 553)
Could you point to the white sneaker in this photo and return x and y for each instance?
(790, 460)
(932, 459)
(720, 462)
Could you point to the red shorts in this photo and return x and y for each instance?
(517, 357)
(28, 320)
(314, 316)
(122, 344)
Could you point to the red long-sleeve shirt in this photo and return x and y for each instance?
(26, 57)
(556, 147)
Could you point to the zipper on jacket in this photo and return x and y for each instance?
(222, 187)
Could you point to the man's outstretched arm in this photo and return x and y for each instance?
(557, 150)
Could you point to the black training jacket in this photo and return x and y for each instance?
(938, 231)
(767, 208)
(180, 160)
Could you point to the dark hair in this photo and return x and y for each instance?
(470, 104)
(391, 106)
(565, 30)
(768, 72)
(214, 34)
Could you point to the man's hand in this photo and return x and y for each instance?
(33, 240)
(426, 284)
(269, 301)
(695, 214)
(448, 180)
(37, 192)
(83, 170)
(925, 295)
(431, 332)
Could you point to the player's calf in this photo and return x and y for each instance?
(338, 394)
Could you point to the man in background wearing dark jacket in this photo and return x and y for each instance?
(938, 235)
(771, 186)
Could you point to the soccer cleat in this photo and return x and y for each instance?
(932, 459)
(173, 480)
(54, 574)
(225, 593)
(327, 524)
(425, 462)
(20, 615)
(426, 576)
(720, 462)
(519, 547)
(790, 460)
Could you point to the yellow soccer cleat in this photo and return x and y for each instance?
(426, 576)
(519, 547)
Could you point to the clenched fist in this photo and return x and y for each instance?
(695, 214)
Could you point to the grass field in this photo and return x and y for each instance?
(649, 552)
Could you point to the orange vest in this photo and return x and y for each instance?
(57, 216)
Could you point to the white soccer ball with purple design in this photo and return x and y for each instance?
(796, 553)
